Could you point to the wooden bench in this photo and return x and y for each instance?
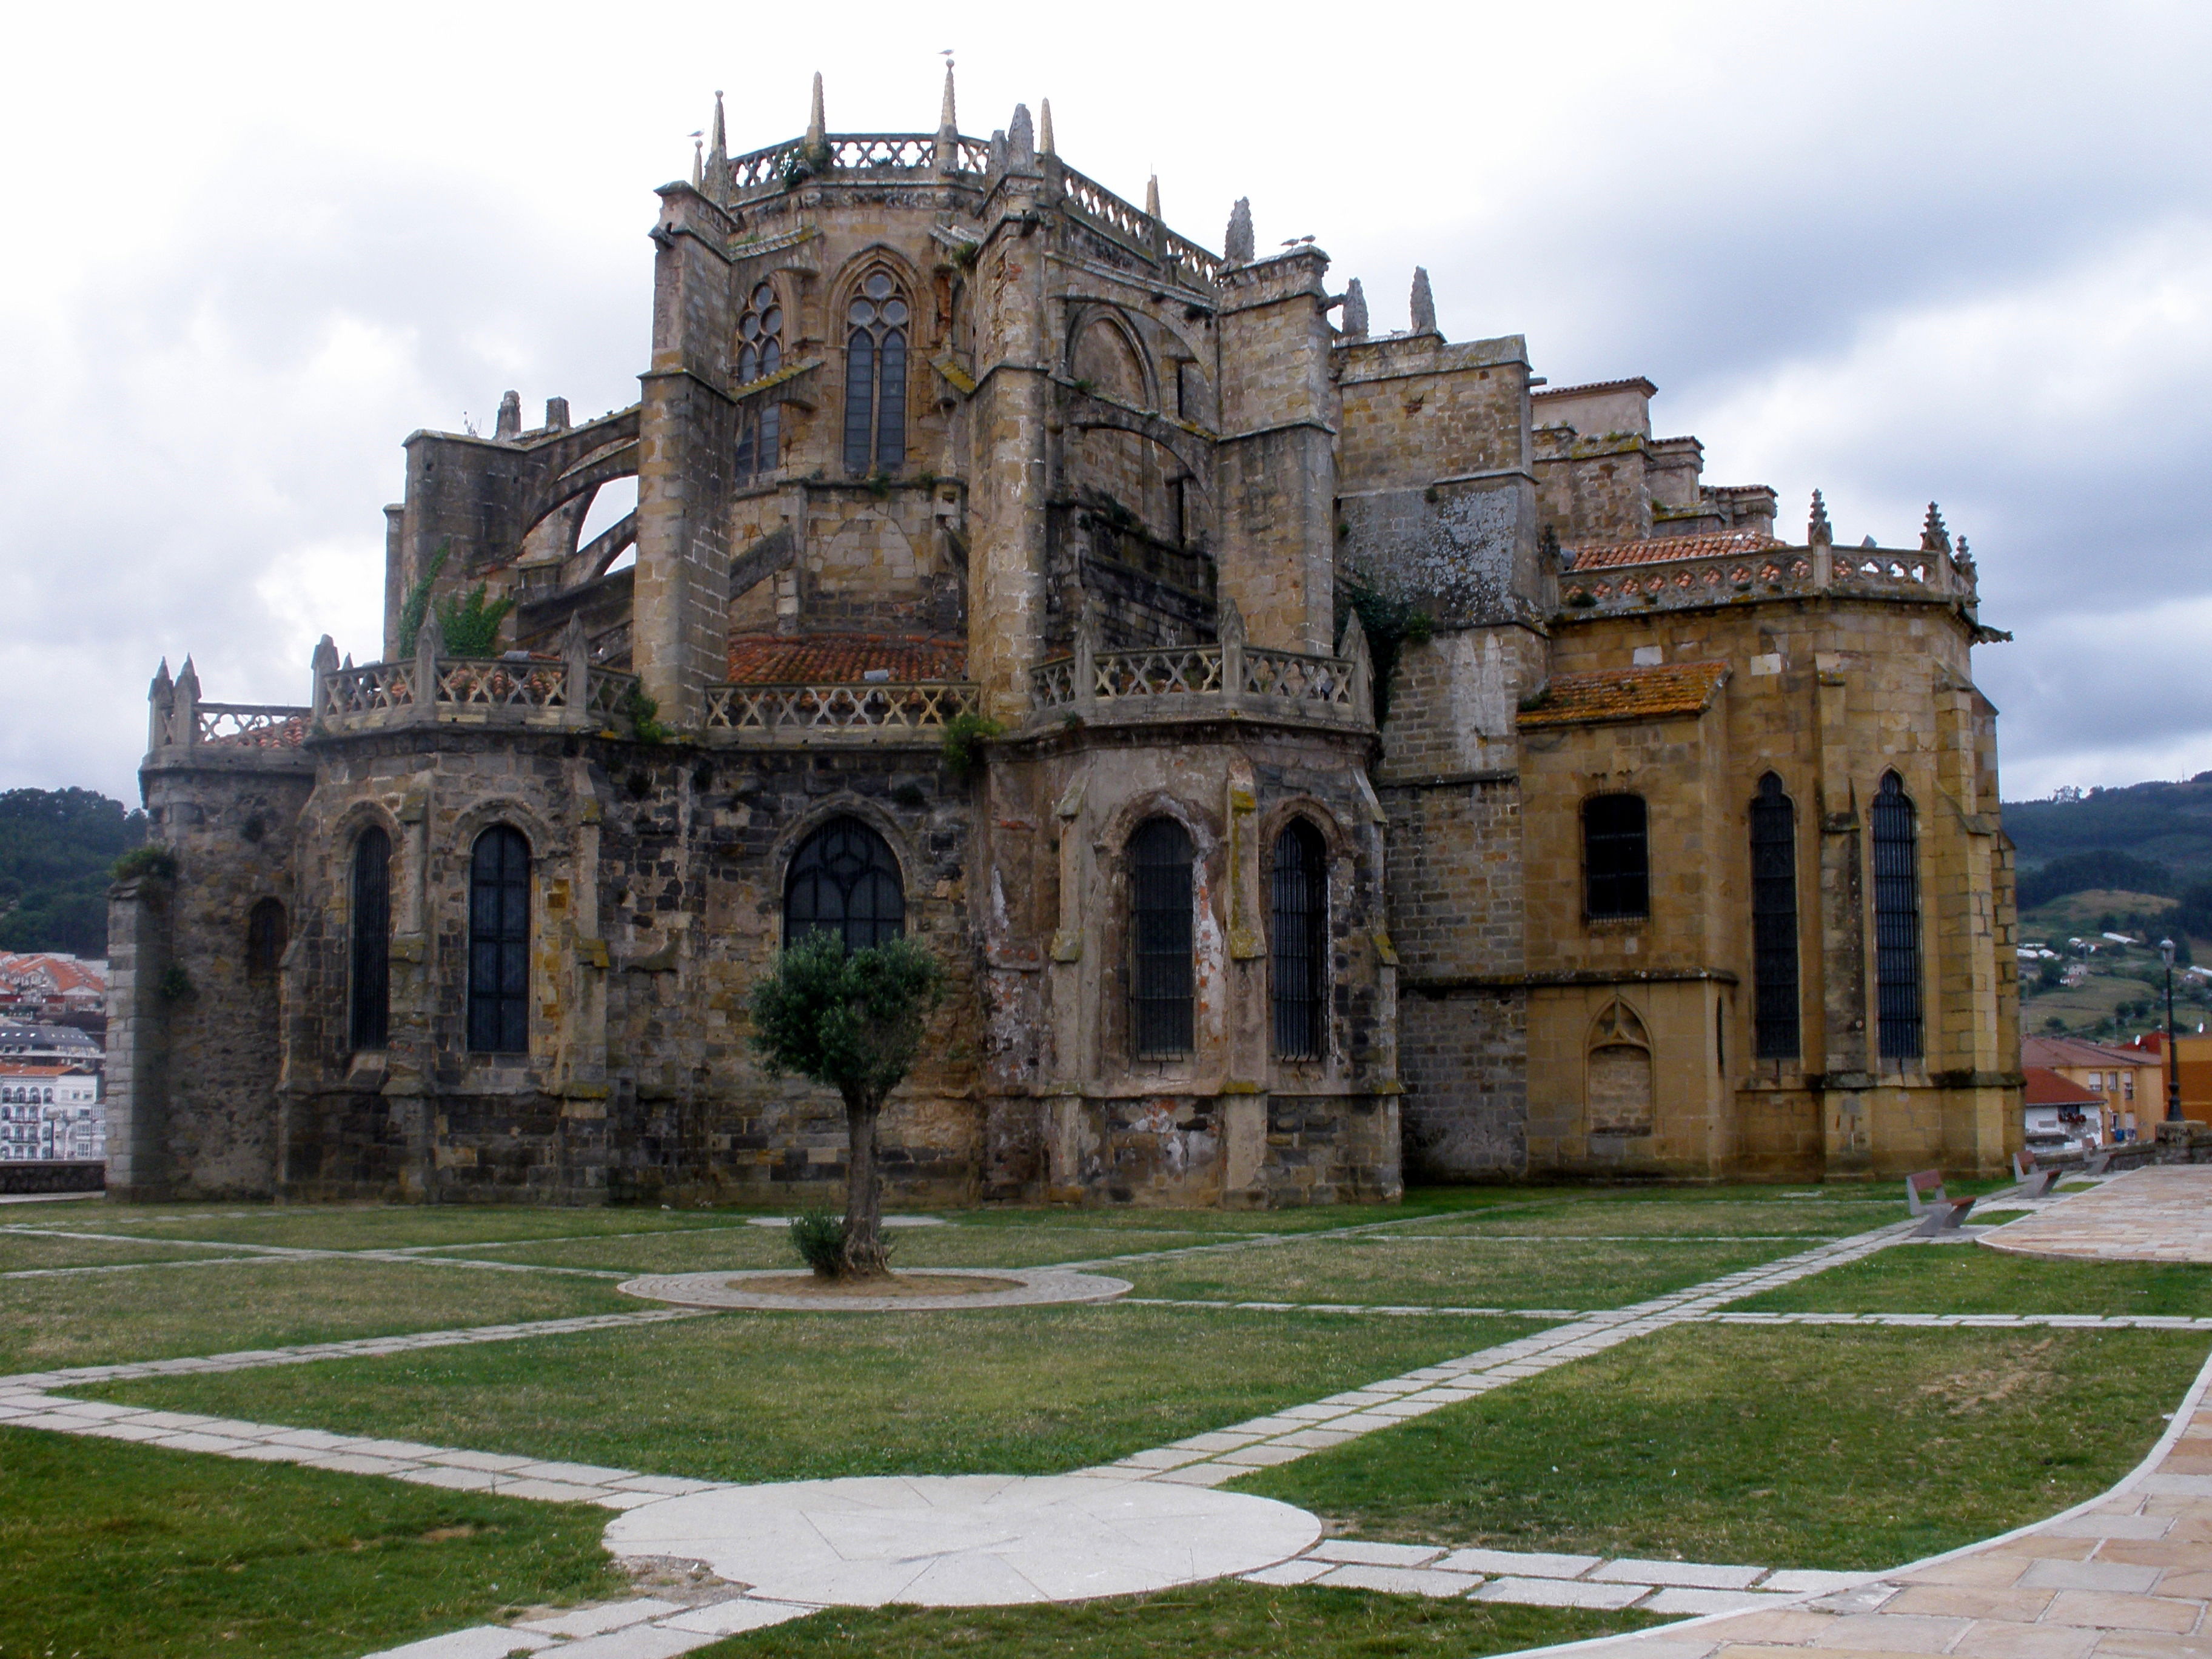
(1924, 1197)
(2033, 1183)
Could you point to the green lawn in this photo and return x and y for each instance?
(1792, 1446)
(798, 1396)
(1966, 1278)
(116, 1549)
(22, 1252)
(374, 1227)
(161, 1313)
(1209, 1621)
(1807, 1219)
(1475, 1271)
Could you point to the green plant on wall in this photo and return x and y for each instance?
(965, 735)
(152, 860)
(643, 712)
(1391, 625)
(471, 625)
(417, 605)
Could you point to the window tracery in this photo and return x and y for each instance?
(845, 881)
(760, 354)
(877, 321)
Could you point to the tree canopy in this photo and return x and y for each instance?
(58, 848)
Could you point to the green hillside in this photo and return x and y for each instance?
(57, 849)
(2166, 823)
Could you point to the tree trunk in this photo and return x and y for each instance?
(865, 1257)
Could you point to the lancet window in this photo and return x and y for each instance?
(1774, 920)
(370, 1010)
(499, 942)
(760, 354)
(1299, 932)
(1897, 921)
(876, 321)
(1162, 971)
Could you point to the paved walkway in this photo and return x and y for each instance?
(2157, 1214)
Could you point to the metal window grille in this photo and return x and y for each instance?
(1160, 870)
(370, 1014)
(875, 377)
(1616, 858)
(1301, 941)
(1897, 922)
(499, 942)
(1774, 922)
(844, 881)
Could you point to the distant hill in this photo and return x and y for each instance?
(57, 849)
(2167, 825)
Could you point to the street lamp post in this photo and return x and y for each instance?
(2172, 1059)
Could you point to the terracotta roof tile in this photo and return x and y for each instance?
(2046, 1088)
(1660, 692)
(842, 659)
(1650, 390)
(2078, 1051)
(1664, 549)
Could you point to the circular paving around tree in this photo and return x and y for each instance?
(965, 1541)
(781, 1290)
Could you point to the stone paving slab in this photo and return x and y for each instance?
(2159, 1214)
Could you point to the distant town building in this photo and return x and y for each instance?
(2119, 1076)
(49, 1045)
(50, 1111)
(2061, 1114)
(53, 980)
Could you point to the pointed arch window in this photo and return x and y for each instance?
(266, 937)
(844, 881)
(875, 322)
(1898, 1024)
(1299, 928)
(1774, 922)
(499, 942)
(369, 1015)
(1162, 979)
(760, 354)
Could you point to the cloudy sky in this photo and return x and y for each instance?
(1896, 252)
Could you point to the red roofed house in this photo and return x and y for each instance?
(2060, 1112)
(1002, 574)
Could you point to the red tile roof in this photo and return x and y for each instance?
(2078, 1052)
(1662, 692)
(288, 733)
(842, 659)
(1650, 390)
(1664, 550)
(64, 973)
(2046, 1088)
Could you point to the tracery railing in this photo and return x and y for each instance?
(1256, 677)
(800, 712)
(496, 691)
(249, 725)
(1675, 583)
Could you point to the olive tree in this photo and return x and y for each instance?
(851, 1020)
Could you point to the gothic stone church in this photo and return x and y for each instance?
(1367, 762)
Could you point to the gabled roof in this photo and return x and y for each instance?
(1635, 381)
(2046, 1088)
(1664, 691)
(2078, 1051)
(842, 659)
(1664, 549)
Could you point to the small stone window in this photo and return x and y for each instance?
(1616, 859)
(1897, 921)
(760, 354)
(875, 376)
(369, 1013)
(1774, 922)
(266, 937)
(1299, 919)
(844, 881)
(1162, 976)
(499, 942)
